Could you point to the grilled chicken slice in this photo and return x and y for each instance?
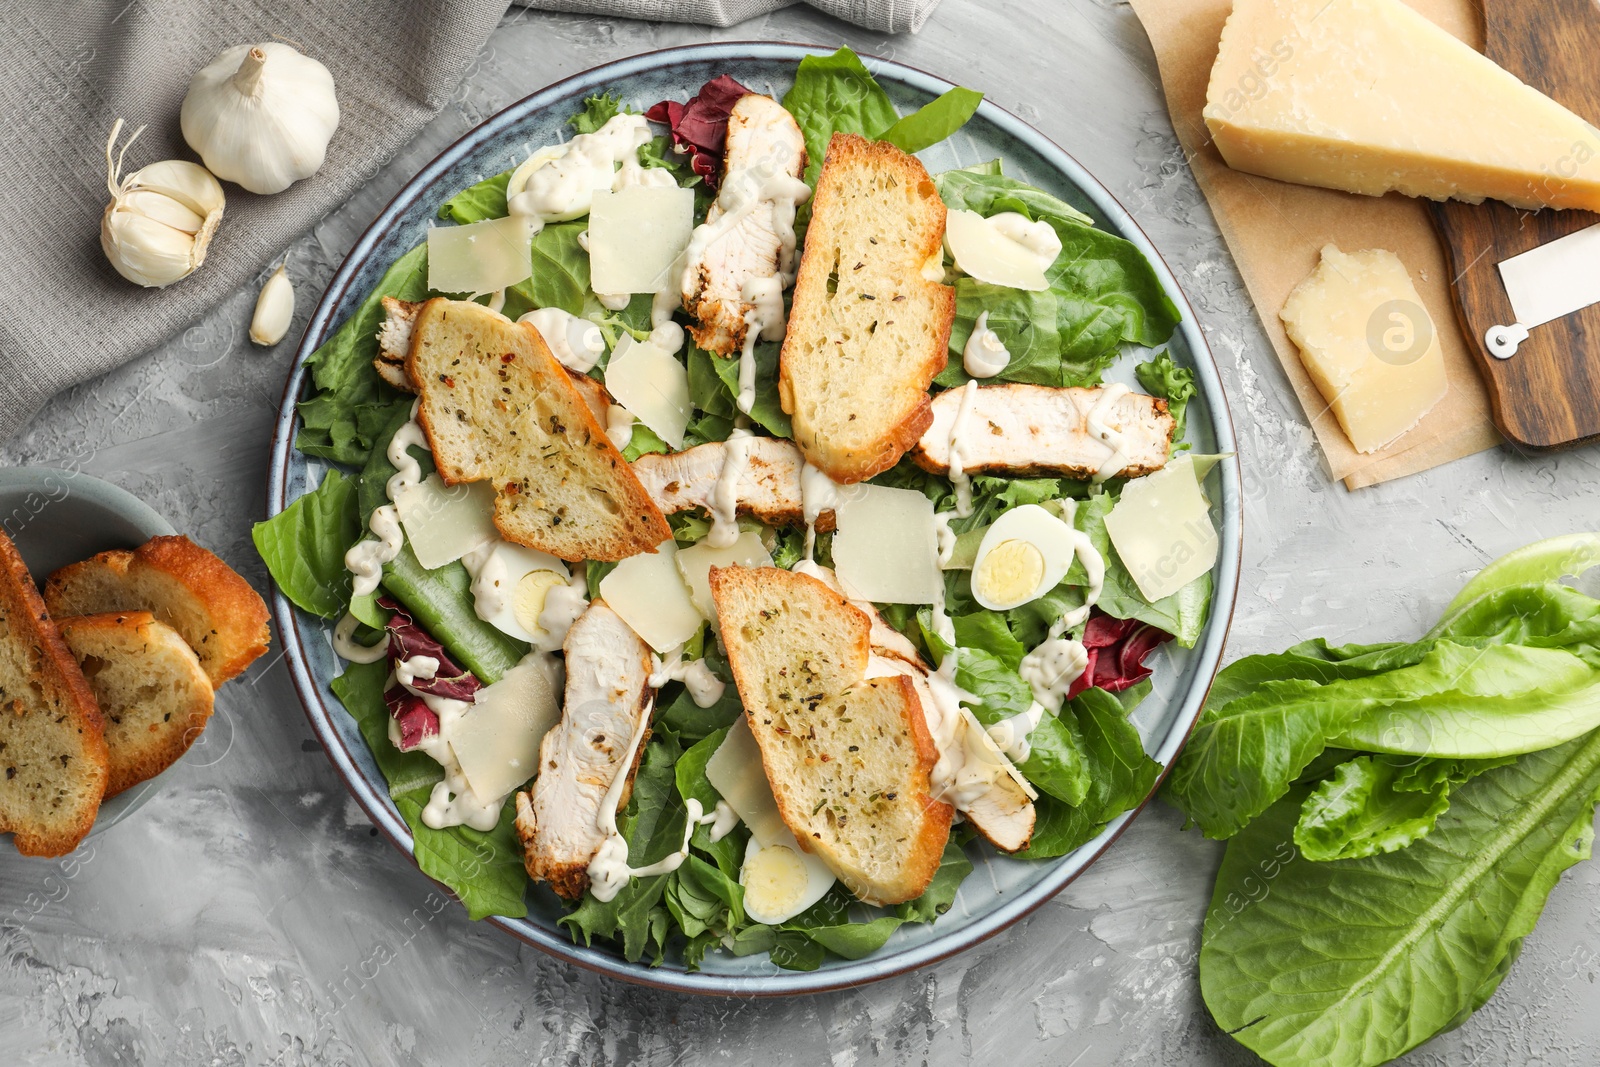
(1039, 429)
(394, 341)
(1003, 814)
(607, 695)
(763, 139)
(769, 487)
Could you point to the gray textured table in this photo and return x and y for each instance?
(251, 915)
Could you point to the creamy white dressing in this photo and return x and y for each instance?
(1051, 668)
(347, 647)
(619, 425)
(558, 182)
(1011, 733)
(725, 495)
(1039, 238)
(608, 870)
(576, 343)
(614, 301)
(497, 300)
(958, 475)
(818, 493)
(985, 355)
(705, 688)
(452, 802)
(365, 559)
(562, 607)
(945, 537)
(1105, 433)
(764, 321)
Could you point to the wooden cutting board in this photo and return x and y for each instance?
(1548, 394)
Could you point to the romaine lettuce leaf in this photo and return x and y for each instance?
(933, 121)
(1105, 292)
(352, 404)
(1354, 962)
(483, 869)
(1160, 376)
(304, 546)
(1121, 775)
(836, 94)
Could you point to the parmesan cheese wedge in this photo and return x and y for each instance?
(647, 591)
(481, 257)
(650, 382)
(635, 236)
(982, 251)
(444, 523)
(886, 549)
(1161, 528)
(1369, 96)
(695, 564)
(497, 740)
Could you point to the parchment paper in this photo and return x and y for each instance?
(1276, 230)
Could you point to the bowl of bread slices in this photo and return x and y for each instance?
(115, 633)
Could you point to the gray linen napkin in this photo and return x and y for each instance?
(68, 70)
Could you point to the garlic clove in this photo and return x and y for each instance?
(161, 218)
(274, 309)
(145, 251)
(189, 184)
(159, 207)
(261, 115)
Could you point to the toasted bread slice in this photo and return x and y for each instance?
(1002, 813)
(867, 331)
(183, 586)
(848, 759)
(153, 694)
(1042, 429)
(607, 695)
(53, 762)
(497, 407)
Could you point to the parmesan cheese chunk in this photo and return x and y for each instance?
(1369, 96)
(886, 549)
(1368, 344)
(444, 523)
(481, 257)
(696, 562)
(650, 382)
(497, 740)
(647, 591)
(635, 236)
(1161, 528)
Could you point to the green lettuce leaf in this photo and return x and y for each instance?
(1121, 775)
(767, 411)
(352, 404)
(1056, 762)
(836, 94)
(483, 869)
(1359, 812)
(1106, 293)
(597, 111)
(1160, 376)
(933, 121)
(478, 203)
(1352, 963)
(303, 546)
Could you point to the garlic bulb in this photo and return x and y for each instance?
(261, 115)
(161, 217)
(274, 309)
